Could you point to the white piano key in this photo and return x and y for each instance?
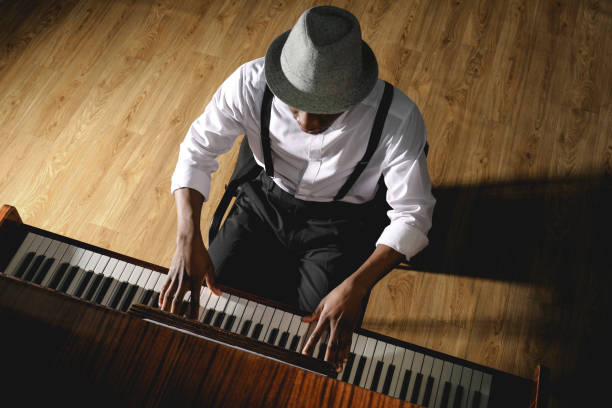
(303, 334)
(109, 268)
(398, 359)
(466, 379)
(220, 306)
(425, 372)
(102, 264)
(154, 277)
(29, 241)
(368, 352)
(455, 380)
(436, 373)
(474, 386)
(69, 253)
(407, 363)
(247, 316)
(49, 252)
(359, 349)
(93, 261)
(121, 281)
(204, 297)
(222, 302)
(266, 319)
(294, 326)
(485, 390)
(159, 285)
(284, 327)
(445, 376)
(387, 360)
(377, 355)
(239, 313)
(256, 318)
(115, 274)
(57, 256)
(135, 276)
(417, 365)
(230, 310)
(277, 316)
(42, 247)
(82, 264)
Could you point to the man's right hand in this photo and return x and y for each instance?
(190, 267)
(191, 264)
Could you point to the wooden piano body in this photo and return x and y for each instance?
(59, 348)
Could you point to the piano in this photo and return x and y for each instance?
(79, 294)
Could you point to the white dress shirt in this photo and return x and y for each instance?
(314, 167)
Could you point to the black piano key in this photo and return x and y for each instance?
(154, 300)
(476, 399)
(103, 288)
(283, 339)
(388, 379)
(118, 294)
(458, 396)
(146, 297)
(184, 308)
(33, 268)
(128, 298)
(359, 371)
(219, 319)
(91, 290)
(25, 262)
(42, 272)
(65, 283)
(445, 394)
(427, 394)
(229, 323)
(417, 388)
(405, 383)
(208, 316)
(83, 284)
(322, 351)
(376, 376)
(58, 275)
(245, 328)
(295, 341)
(272, 336)
(347, 367)
(257, 330)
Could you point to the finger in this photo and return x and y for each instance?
(194, 306)
(167, 298)
(315, 316)
(332, 346)
(313, 339)
(177, 302)
(162, 294)
(210, 282)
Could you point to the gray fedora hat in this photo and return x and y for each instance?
(321, 65)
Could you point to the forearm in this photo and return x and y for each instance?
(188, 209)
(383, 259)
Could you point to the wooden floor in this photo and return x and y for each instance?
(95, 97)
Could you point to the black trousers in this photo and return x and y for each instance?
(289, 250)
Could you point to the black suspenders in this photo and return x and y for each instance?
(379, 123)
(247, 169)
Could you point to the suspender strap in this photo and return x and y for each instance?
(379, 123)
(266, 109)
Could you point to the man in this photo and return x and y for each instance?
(307, 231)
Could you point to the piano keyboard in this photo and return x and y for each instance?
(381, 364)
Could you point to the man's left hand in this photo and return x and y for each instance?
(337, 314)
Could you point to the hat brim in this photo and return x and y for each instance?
(307, 102)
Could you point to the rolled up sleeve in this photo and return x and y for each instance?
(408, 190)
(211, 134)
